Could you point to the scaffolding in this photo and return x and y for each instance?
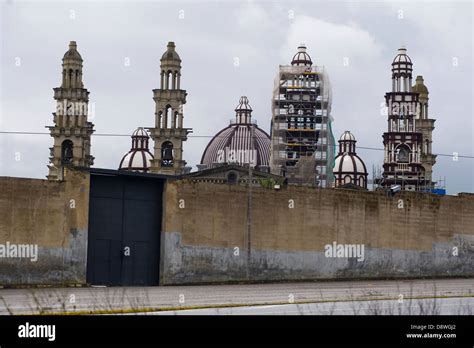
(303, 145)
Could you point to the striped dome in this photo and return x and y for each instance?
(402, 65)
(348, 167)
(349, 164)
(347, 136)
(301, 57)
(138, 159)
(233, 144)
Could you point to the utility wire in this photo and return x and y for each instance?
(213, 136)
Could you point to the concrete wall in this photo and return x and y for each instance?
(204, 224)
(52, 215)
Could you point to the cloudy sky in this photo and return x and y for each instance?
(209, 36)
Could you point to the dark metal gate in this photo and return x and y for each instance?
(124, 229)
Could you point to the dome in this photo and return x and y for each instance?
(347, 136)
(138, 159)
(402, 64)
(170, 53)
(348, 167)
(72, 53)
(233, 144)
(301, 57)
(419, 86)
(349, 164)
(402, 57)
(140, 132)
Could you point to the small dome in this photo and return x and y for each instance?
(347, 136)
(140, 132)
(301, 58)
(171, 53)
(348, 167)
(72, 53)
(402, 57)
(138, 159)
(419, 86)
(402, 65)
(243, 105)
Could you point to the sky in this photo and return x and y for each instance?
(121, 43)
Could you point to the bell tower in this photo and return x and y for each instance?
(71, 130)
(403, 141)
(168, 133)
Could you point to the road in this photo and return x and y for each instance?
(338, 297)
(438, 306)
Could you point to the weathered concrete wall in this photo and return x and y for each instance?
(52, 215)
(205, 223)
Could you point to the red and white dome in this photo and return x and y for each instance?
(348, 167)
(138, 159)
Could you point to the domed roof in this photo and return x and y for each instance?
(72, 53)
(233, 144)
(243, 105)
(138, 159)
(402, 57)
(419, 86)
(402, 65)
(349, 164)
(347, 136)
(301, 57)
(171, 53)
(348, 167)
(140, 132)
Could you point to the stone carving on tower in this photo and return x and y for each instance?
(407, 143)
(168, 134)
(71, 130)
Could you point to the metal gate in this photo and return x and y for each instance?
(124, 229)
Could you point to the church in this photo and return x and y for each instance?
(300, 148)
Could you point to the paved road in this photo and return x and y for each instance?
(110, 300)
(438, 306)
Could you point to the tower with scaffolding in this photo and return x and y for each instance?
(302, 143)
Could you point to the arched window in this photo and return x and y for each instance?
(168, 116)
(175, 120)
(160, 118)
(167, 154)
(67, 152)
(347, 179)
(403, 154)
(169, 76)
(362, 182)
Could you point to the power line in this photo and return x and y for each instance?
(213, 136)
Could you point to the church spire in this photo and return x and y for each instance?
(168, 133)
(71, 130)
